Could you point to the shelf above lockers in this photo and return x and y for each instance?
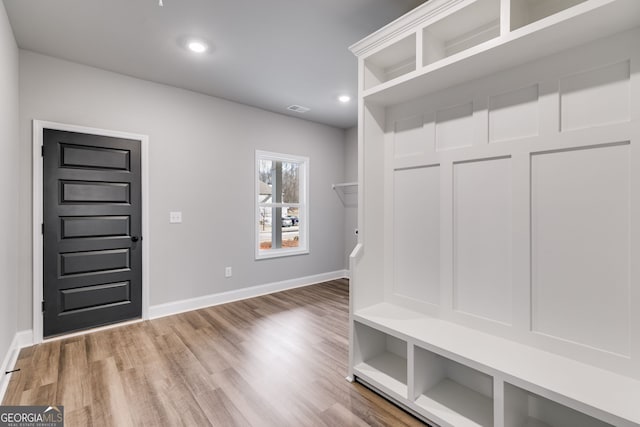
(525, 12)
(468, 27)
(391, 62)
(574, 26)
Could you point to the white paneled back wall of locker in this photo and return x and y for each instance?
(490, 200)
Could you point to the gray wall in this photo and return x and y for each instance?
(350, 175)
(9, 144)
(201, 163)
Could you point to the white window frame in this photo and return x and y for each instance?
(302, 205)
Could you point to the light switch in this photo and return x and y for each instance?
(175, 217)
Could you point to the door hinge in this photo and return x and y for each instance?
(42, 228)
(43, 306)
(42, 150)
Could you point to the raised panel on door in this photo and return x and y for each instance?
(94, 226)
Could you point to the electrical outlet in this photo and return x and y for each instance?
(228, 272)
(175, 217)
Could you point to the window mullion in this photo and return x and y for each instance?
(276, 211)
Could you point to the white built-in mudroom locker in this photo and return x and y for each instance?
(496, 281)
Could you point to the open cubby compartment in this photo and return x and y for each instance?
(381, 358)
(525, 12)
(523, 408)
(452, 393)
(468, 27)
(390, 62)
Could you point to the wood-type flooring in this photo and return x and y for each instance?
(276, 360)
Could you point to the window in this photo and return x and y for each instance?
(281, 205)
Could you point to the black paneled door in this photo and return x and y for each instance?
(92, 231)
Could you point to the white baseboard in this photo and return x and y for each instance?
(20, 340)
(24, 339)
(176, 307)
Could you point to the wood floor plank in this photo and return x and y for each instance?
(37, 369)
(73, 390)
(79, 417)
(141, 395)
(256, 410)
(277, 360)
(339, 416)
(220, 410)
(110, 406)
(43, 395)
(185, 365)
(168, 394)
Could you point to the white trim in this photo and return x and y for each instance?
(7, 364)
(404, 24)
(20, 340)
(24, 339)
(176, 307)
(37, 256)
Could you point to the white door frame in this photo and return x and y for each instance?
(38, 126)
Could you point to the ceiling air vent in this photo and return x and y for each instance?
(298, 108)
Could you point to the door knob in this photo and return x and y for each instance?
(134, 238)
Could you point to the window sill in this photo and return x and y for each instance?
(279, 253)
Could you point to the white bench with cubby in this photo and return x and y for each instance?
(456, 376)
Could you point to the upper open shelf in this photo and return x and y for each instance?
(468, 48)
(391, 62)
(525, 12)
(468, 27)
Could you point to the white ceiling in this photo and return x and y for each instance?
(266, 53)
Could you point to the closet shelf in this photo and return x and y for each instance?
(347, 191)
(346, 187)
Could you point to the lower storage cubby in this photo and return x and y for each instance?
(525, 409)
(452, 394)
(381, 359)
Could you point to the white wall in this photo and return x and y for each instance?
(201, 163)
(8, 183)
(350, 175)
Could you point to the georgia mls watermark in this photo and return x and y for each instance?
(31, 416)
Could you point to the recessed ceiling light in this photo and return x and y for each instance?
(344, 98)
(197, 46)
